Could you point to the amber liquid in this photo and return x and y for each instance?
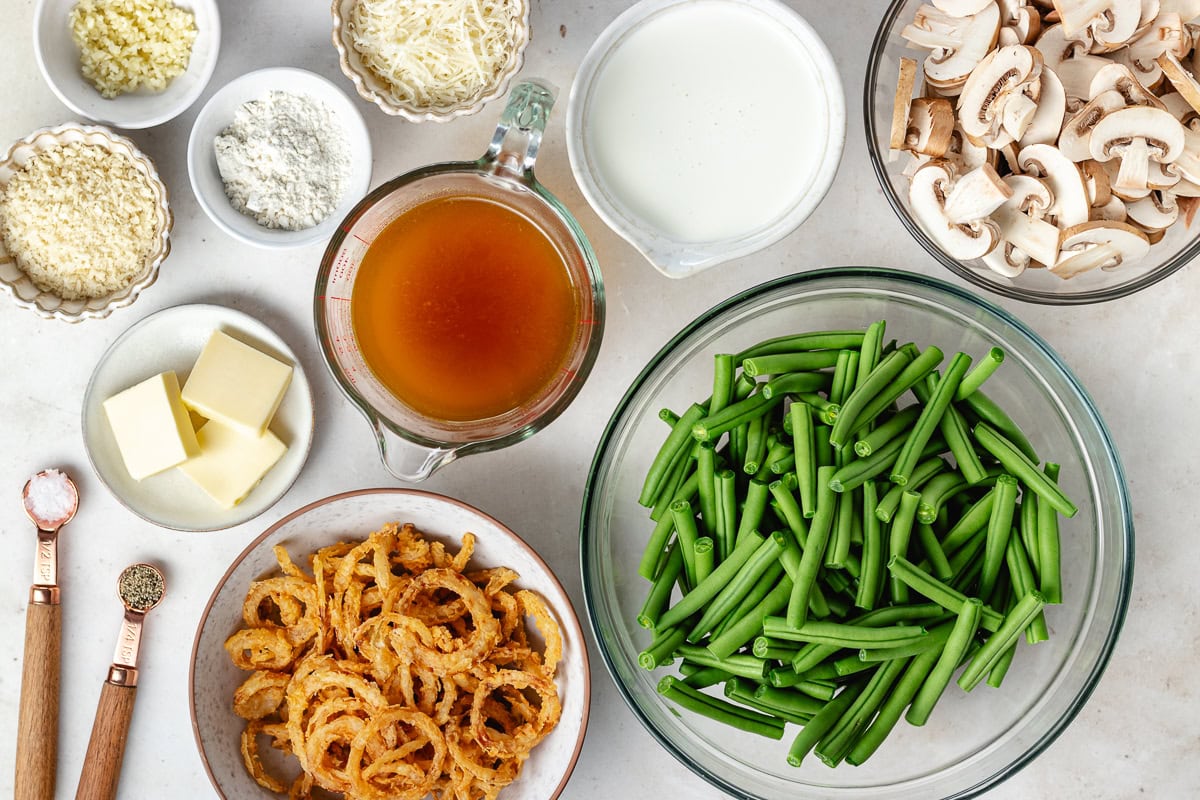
(463, 309)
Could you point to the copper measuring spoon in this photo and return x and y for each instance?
(37, 729)
(141, 587)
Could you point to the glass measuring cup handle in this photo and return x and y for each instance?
(405, 459)
(514, 146)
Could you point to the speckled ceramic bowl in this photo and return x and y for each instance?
(372, 89)
(353, 516)
(15, 283)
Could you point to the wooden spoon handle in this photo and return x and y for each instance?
(106, 748)
(37, 728)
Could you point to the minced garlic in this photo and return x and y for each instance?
(79, 220)
(129, 44)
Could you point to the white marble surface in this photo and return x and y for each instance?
(1137, 737)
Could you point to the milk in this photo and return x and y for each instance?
(707, 122)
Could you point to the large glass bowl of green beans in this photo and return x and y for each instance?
(923, 632)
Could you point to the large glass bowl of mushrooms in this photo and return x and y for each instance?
(1046, 151)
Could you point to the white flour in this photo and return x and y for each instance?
(284, 161)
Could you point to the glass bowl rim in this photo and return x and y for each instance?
(874, 60)
(922, 282)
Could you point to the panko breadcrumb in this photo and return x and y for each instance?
(79, 220)
(129, 44)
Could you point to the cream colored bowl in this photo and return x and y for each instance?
(47, 305)
(376, 91)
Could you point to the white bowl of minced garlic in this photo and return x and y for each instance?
(127, 63)
(84, 222)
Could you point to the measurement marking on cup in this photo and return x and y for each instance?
(331, 297)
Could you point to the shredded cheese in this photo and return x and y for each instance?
(79, 220)
(434, 53)
(128, 44)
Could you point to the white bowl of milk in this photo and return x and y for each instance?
(704, 130)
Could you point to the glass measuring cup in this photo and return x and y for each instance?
(411, 444)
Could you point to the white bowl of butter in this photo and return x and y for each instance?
(192, 496)
(704, 130)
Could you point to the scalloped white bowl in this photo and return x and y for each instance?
(15, 283)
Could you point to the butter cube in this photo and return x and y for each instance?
(151, 426)
(235, 384)
(231, 463)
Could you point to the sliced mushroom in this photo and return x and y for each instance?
(1077, 75)
(1187, 164)
(1112, 22)
(1019, 23)
(1101, 244)
(1156, 211)
(999, 99)
(1118, 78)
(958, 43)
(1071, 202)
(967, 153)
(1179, 108)
(1095, 178)
(1056, 47)
(1181, 79)
(1187, 10)
(1188, 207)
(1022, 224)
(1051, 108)
(1165, 34)
(930, 126)
(1076, 136)
(927, 195)
(1113, 210)
(975, 195)
(1136, 136)
(904, 89)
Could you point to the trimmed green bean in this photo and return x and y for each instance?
(957, 434)
(793, 702)
(984, 409)
(896, 425)
(1013, 460)
(916, 370)
(838, 634)
(779, 363)
(931, 416)
(893, 707)
(924, 472)
(960, 638)
(1028, 527)
(837, 554)
(817, 340)
(933, 552)
(703, 677)
(660, 591)
(837, 743)
(870, 580)
(680, 437)
(806, 462)
(656, 545)
(703, 550)
(822, 722)
(662, 650)
(933, 640)
(1005, 636)
(723, 370)
(792, 515)
(973, 520)
(1049, 566)
(898, 539)
(726, 512)
(1023, 583)
(749, 624)
(720, 710)
(871, 351)
(888, 370)
(742, 691)
(756, 445)
(814, 550)
(998, 530)
(983, 370)
(706, 468)
(710, 428)
(936, 491)
(844, 375)
(794, 383)
(737, 587)
(947, 597)
(746, 666)
(681, 471)
(685, 528)
(706, 591)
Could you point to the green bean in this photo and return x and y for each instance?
(983, 370)
(947, 597)
(936, 491)
(931, 641)
(916, 370)
(1023, 583)
(726, 512)
(931, 416)
(814, 550)
(955, 431)
(787, 700)
(898, 538)
(837, 634)
(749, 624)
(784, 677)
(702, 593)
(779, 363)
(711, 427)
(1005, 636)
(662, 650)
(818, 340)
(933, 552)
(956, 647)
(998, 530)
(668, 416)
(844, 374)
(706, 467)
(870, 352)
(883, 433)
(860, 470)
(723, 369)
(776, 649)
(837, 743)
(766, 582)
(736, 588)
(703, 550)
(822, 447)
(825, 410)
(891, 501)
(1000, 668)
(985, 410)
(820, 724)
(973, 520)
(880, 378)
(1012, 459)
(852, 664)
(681, 471)
(1028, 527)
(806, 463)
(792, 516)
(811, 655)
(752, 510)
(660, 591)
(743, 691)
(794, 383)
(704, 677)
(679, 438)
(870, 581)
(837, 554)
(685, 528)
(779, 457)
(756, 445)
(893, 707)
(652, 555)
(1049, 567)
(746, 666)
(719, 710)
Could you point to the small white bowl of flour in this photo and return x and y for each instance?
(278, 157)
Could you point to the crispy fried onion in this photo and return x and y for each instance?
(392, 673)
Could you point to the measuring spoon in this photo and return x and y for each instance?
(37, 727)
(141, 587)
